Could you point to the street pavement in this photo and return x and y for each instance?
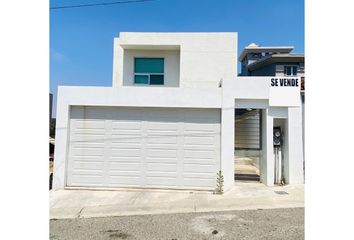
(243, 224)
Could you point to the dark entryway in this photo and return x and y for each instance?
(247, 144)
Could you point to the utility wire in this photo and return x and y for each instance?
(99, 4)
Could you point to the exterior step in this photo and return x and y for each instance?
(247, 177)
(243, 161)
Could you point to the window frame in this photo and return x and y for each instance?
(149, 74)
(292, 70)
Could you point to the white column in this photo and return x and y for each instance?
(61, 138)
(227, 136)
(267, 156)
(295, 150)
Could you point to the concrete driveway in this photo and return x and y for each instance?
(125, 202)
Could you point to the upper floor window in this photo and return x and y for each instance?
(149, 71)
(290, 70)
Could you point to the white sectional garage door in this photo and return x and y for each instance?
(143, 147)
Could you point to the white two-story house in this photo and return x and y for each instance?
(168, 119)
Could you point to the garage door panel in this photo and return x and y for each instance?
(125, 173)
(126, 152)
(125, 159)
(161, 146)
(161, 139)
(90, 131)
(131, 181)
(126, 125)
(200, 161)
(198, 147)
(126, 146)
(161, 174)
(89, 124)
(157, 135)
(87, 159)
(144, 147)
(161, 153)
(94, 152)
(163, 126)
(198, 168)
(201, 140)
(77, 165)
(161, 182)
(197, 175)
(87, 144)
(80, 180)
(161, 160)
(210, 154)
(197, 127)
(87, 176)
(128, 133)
(162, 167)
(87, 138)
(126, 138)
(133, 166)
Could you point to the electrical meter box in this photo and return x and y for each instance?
(277, 135)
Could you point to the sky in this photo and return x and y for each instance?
(81, 39)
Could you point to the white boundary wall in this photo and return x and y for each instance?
(276, 102)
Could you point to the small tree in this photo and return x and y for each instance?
(219, 183)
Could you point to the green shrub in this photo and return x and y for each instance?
(219, 183)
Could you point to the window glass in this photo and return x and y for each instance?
(141, 79)
(287, 70)
(294, 71)
(156, 79)
(149, 65)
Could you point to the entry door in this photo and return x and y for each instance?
(143, 147)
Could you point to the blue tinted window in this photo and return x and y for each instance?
(156, 79)
(149, 65)
(287, 71)
(290, 70)
(141, 79)
(294, 70)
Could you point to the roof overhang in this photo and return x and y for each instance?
(277, 58)
(257, 49)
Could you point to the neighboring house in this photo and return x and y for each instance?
(271, 61)
(168, 119)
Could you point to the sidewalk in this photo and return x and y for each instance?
(124, 202)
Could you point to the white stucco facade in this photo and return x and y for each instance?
(200, 60)
(200, 73)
